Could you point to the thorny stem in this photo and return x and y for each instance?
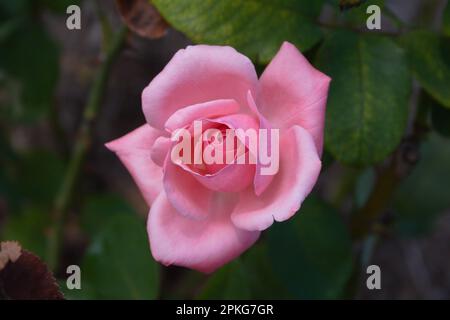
(81, 147)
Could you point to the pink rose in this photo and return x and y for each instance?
(203, 217)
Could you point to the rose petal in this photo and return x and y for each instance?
(215, 108)
(133, 149)
(160, 149)
(244, 122)
(298, 173)
(231, 178)
(195, 75)
(293, 92)
(201, 245)
(260, 182)
(188, 196)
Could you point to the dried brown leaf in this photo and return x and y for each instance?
(142, 18)
(25, 277)
(9, 251)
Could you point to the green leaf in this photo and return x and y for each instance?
(440, 118)
(264, 283)
(118, 264)
(424, 194)
(311, 254)
(249, 277)
(101, 208)
(39, 176)
(368, 101)
(429, 65)
(230, 282)
(256, 28)
(37, 73)
(97, 211)
(446, 22)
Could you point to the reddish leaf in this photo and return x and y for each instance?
(141, 17)
(24, 276)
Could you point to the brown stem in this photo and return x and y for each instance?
(378, 200)
(400, 165)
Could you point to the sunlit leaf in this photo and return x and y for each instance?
(256, 28)
(368, 101)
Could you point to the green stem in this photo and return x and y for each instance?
(81, 147)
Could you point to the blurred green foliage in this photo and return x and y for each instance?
(424, 195)
(29, 182)
(118, 264)
(429, 64)
(446, 22)
(441, 119)
(312, 253)
(29, 227)
(30, 59)
(249, 277)
(308, 258)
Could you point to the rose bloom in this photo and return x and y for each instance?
(202, 217)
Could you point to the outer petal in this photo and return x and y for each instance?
(134, 150)
(260, 182)
(293, 92)
(198, 74)
(214, 108)
(298, 173)
(202, 245)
